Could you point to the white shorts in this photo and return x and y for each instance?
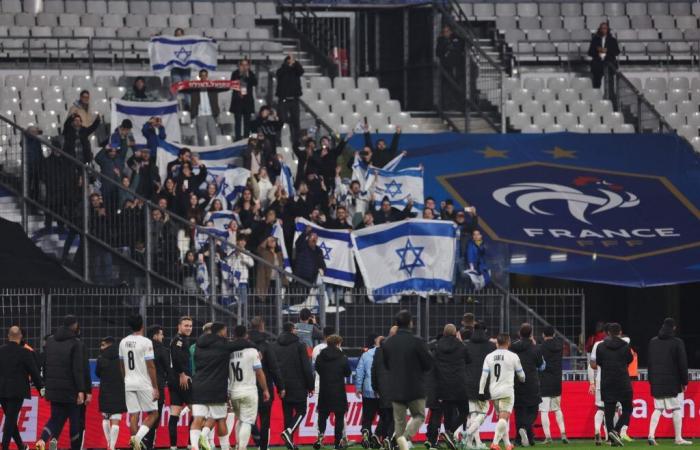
(550, 404)
(476, 406)
(598, 399)
(246, 408)
(216, 411)
(116, 416)
(140, 401)
(503, 404)
(668, 403)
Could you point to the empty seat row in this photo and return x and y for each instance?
(573, 9)
(117, 21)
(356, 95)
(592, 22)
(343, 84)
(579, 107)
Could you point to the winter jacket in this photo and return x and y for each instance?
(162, 361)
(111, 399)
(450, 50)
(64, 367)
(295, 366)
(381, 379)
(243, 104)
(152, 136)
(332, 368)
(550, 377)
(478, 347)
(211, 361)
(363, 374)
(380, 158)
(270, 365)
(408, 361)
(528, 393)
(667, 364)
(451, 358)
(308, 260)
(18, 366)
(613, 355)
(72, 137)
(289, 80)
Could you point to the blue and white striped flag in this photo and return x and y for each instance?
(202, 277)
(195, 52)
(202, 236)
(287, 181)
(337, 253)
(222, 219)
(364, 173)
(215, 157)
(278, 233)
(140, 112)
(399, 186)
(415, 256)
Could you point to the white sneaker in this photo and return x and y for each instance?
(525, 441)
(683, 442)
(402, 443)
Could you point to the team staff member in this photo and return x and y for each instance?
(478, 347)
(18, 366)
(112, 401)
(180, 380)
(381, 380)
(552, 349)
(365, 389)
(527, 393)
(162, 360)
(332, 368)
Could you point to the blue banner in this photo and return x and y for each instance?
(616, 209)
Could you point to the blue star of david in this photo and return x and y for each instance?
(182, 54)
(406, 265)
(326, 250)
(393, 189)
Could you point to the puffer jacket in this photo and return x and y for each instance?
(112, 399)
(332, 368)
(295, 366)
(478, 347)
(550, 377)
(211, 362)
(450, 369)
(613, 355)
(668, 364)
(64, 366)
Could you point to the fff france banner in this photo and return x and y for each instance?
(336, 246)
(194, 52)
(415, 256)
(140, 112)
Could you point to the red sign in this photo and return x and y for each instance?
(577, 405)
(223, 85)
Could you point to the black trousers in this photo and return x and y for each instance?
(11, 407)
(625, 401)
(434, 422)
(339, 423)
(289, 113)
(241, 125)
(294, 412)
(262, 431)
(524, 418)
(370, 408)
(455, 413)
(150, 439)
(60, 412)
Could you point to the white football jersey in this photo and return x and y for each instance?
(134, 351)
(597, 371)
(241, 373)
(502, 366)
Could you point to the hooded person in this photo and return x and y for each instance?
(552, 349)
(332, 367)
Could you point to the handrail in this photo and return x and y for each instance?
(462, 91)
(151, 206)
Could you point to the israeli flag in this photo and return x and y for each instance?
(203, 233)
(278, 233)
(365, 173)
(415, 256)
(202, 277)
(400, 186)
(337, 253)
(287, 181)
(222, 219)
(140, 112)
(194, 52)
(214, 156)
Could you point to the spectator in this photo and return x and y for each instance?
(194, 210)
(81, 107)
(257, 156)
(307, 329)
(242, 101)
(477, 269)
(328, 158)
(153, 131)
(35, 159)
(173, 167)
(145, 179)
(387, 213)
(263, 189)
(468, 322)
(340, 222)
(76, 137)
(187, 182)
(603, 51)
(367, 220)
(428, 214)
(178, 74)
(527, 394)
(111, 161)
(447, 210)
(138, 92)
(450, 52)
(352, 198)
(188, 272)
(204, 109)
(266, 277)
(467, 221)
(269, 125)
(332, 367)
(309, 263)
(288, 93)
(380, 155)
(122, 138)
(307, 162)
(240, 264)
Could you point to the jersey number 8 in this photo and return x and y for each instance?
(130, 358)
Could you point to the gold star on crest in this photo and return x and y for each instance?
(559, 153)
(489, 152)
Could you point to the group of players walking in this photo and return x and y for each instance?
(226, 381)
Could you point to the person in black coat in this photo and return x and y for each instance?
(408, 361)
(111, 398)
(162, 360)
(295, 364)
(668, 377)
(17, 368)
(552, 349)
(381, 380)
(478, 347)
(64, 374)
(309, 262)
(273, 375)
(242, 101)
(381, 155)
(603, 50)
(180, 376)
(387, 213)
(332, 368)
(527, 394)
(288, 93)
(613, 355)
(76, 137)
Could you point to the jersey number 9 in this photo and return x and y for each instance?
(497, 371)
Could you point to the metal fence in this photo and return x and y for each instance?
(104, 312)
(628, 100)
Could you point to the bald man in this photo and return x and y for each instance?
(18, 365)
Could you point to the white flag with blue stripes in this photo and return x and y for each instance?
(194, 52)
(215, 157)
(364, 173)
(278, 233)
(399, 186)
(140, 112)
(222, 219)
(202, 235)
(415, 256)
(336, 246)
(287, 181)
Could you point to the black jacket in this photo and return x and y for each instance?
(111, 399)
(289, 80)
(613, 50)
(179, 359)
(243, 104)
(18, 365)
(450, 50)
(162, 361)
(270, 365)
(478, 347)
(308, 260)
(196, 100)
(450, 369)
(71, 137)
(550, 377)
(394, 214)
(380, 158)
(332, 368)
(381, 378)
(295, 366)
(528, 393)
(668, 364)
(408, 360)
(64, 367)
(211, 361)
(613, 355)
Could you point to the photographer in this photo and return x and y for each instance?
(153, 130)
(307, 328)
